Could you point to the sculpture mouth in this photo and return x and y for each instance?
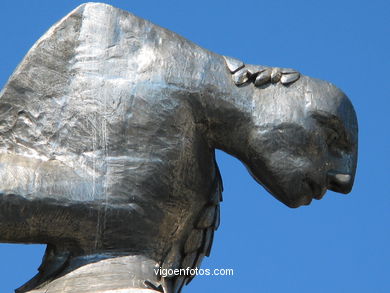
(311, 190)
(317, 190)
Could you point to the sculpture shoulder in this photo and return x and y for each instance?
(99, 55)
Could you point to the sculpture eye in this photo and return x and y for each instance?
(333, 141)
(334, 132)
(331, 137)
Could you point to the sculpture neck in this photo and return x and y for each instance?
(229, 116)
(100, 273)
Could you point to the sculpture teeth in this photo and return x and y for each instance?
(233, 64)
(255, 69)
(289, 78)
(287, 70)
(259, 75)
(275, 75)
(263, 77)
(241, 77)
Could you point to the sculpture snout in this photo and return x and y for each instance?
(339, 182)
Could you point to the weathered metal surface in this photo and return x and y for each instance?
(107, 136)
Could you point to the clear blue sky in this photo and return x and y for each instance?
(339, 244)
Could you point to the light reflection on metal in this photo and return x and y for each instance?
(107, 136)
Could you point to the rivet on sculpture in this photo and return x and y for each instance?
(108, 130)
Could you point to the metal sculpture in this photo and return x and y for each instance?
(108, 129)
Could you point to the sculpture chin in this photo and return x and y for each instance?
(296, 192)
(303, 201)
(296, 201)
(310, 191)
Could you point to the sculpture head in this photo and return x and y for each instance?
(303, 141)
